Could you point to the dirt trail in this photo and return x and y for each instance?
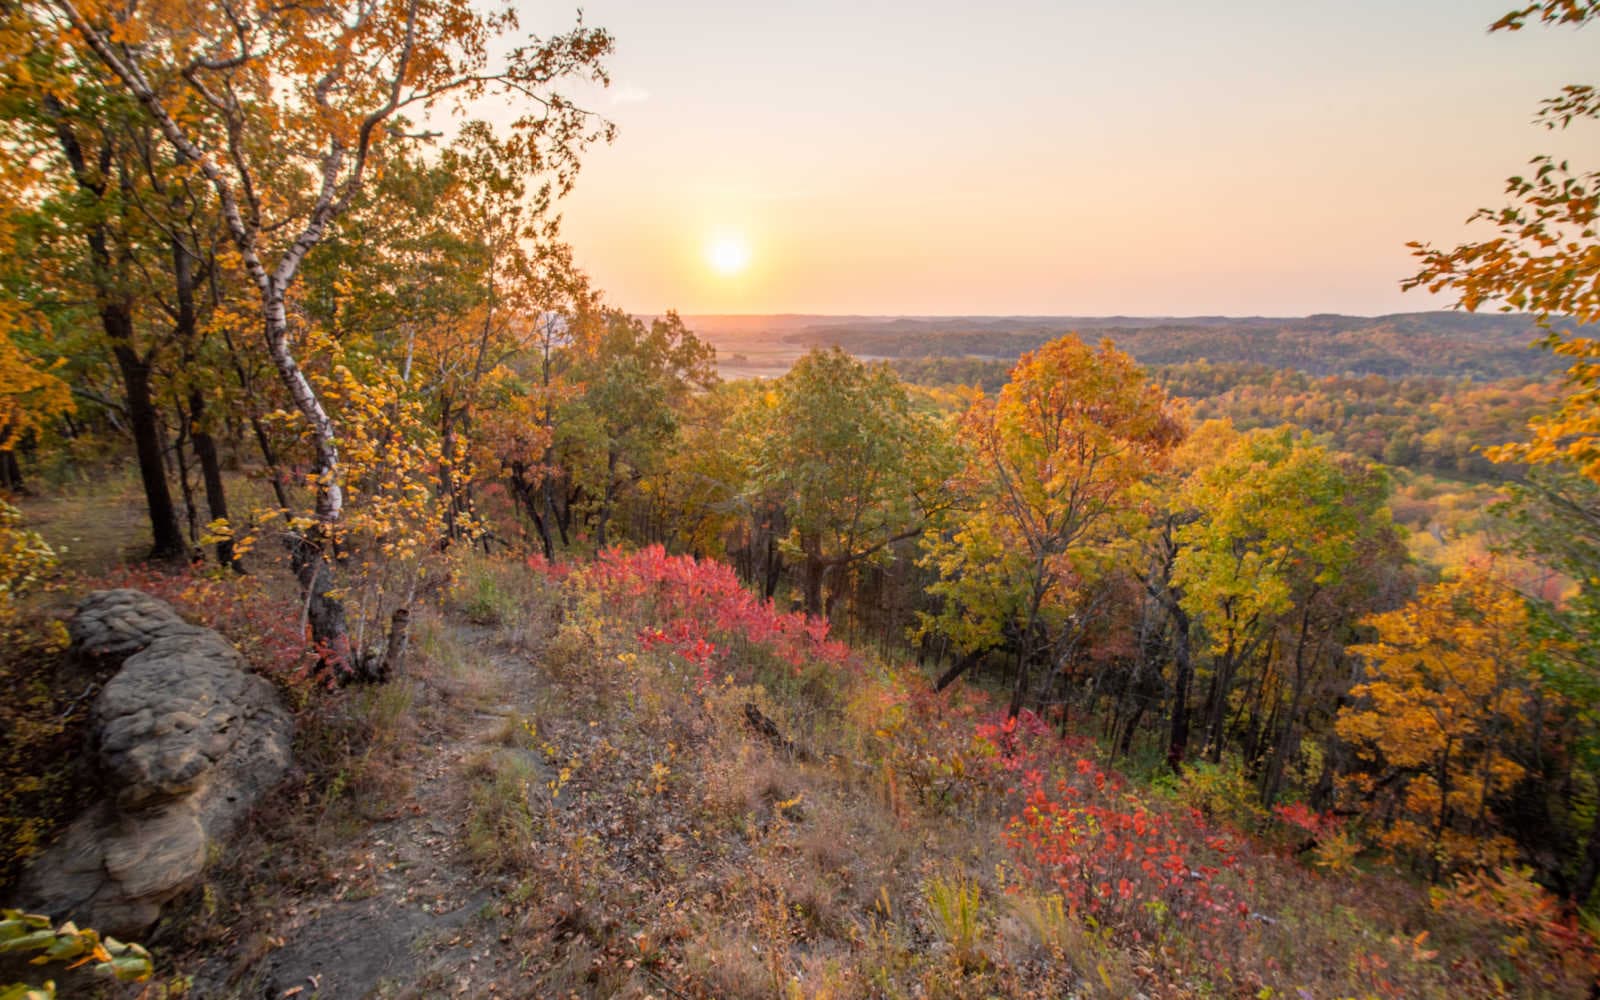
(408, 914)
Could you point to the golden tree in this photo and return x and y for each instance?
(1448, 697)
(1049, 465)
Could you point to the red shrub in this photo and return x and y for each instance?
(701, 611)
(265, 627)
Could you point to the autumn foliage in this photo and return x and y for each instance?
(1447, 704)
(1187, 679)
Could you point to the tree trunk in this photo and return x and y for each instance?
(1019, 689)
(187, 331)
(180, 458)
(280, 491)
(10, 471)
(772, 568)
(447, 475)
(812, 571)
(394, 652)
(205, 449)
(310, 553)
(145, 425)
(1183, 667)
(958, 668)
(547, 489)
(1026, 640)
(1589, 872)
(1125, 745)
(324, 612)
(1444, 815)
(455, 491)
(1286, 745)
(1217, 706)
(546, 543)
(538, 507)
(607, 500)
(1288, 740)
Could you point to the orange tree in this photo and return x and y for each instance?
(32, 391)
(1544, 259)
(31, 394)
(1049, 464)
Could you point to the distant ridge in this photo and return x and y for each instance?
(1477, 345)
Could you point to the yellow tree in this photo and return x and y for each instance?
(449, 268)
(94, 209)
(31, 394)
(1170, 512)
(1448, 696)
(1287, 545)
(1048, 468)
(259, 97)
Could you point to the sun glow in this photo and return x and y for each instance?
(728, 255)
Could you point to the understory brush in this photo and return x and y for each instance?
(259, 613)
(768, 812)
(44, 777)
(673, 788)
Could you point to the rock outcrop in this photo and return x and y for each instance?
(186, 740)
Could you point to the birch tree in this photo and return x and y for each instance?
(285, 110)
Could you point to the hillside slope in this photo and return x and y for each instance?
(630, 778)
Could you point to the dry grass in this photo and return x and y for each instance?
(732, 868)
(92, 525)
(735, 869)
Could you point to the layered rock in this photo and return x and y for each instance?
(186, 740)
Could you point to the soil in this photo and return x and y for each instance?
(408, 913)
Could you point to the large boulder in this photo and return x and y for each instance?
(115, 624)
(186, 739)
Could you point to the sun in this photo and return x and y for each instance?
(728, 255)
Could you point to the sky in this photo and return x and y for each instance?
(1138, 157)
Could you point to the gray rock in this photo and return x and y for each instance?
(187, 741)
(116, 624)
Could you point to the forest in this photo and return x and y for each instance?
(1475, 345)
(1181, 658)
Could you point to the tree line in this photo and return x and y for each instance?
(1446, 344)
(1426, 423)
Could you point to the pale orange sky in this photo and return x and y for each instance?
(1054, 158)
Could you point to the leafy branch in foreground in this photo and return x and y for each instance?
(25, 933)
(1545, 261)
